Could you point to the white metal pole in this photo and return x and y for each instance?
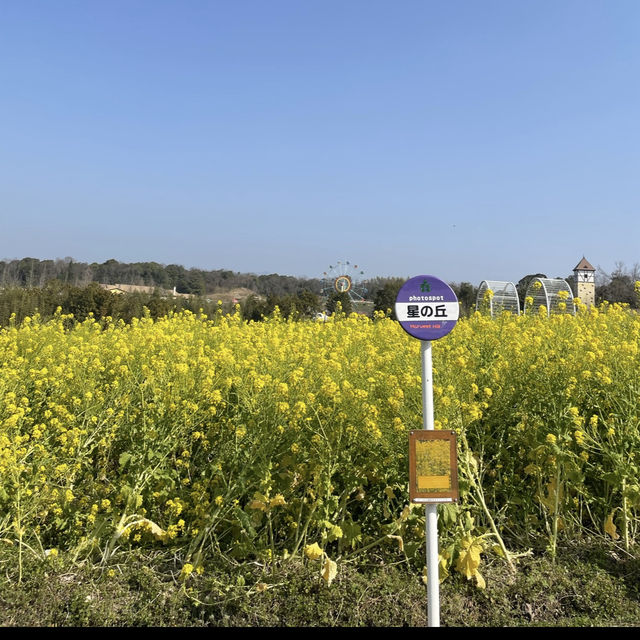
(427, 386)
(431, 510)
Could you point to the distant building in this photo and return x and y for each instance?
(585, 282)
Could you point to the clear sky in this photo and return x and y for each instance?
(467, 139)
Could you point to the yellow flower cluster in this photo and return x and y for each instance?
(217, 435)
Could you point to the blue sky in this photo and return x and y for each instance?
(467, 139)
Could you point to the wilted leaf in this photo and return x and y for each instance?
(406, 512)
(278, 501)
(443, 565)
(259, 502)
(610, 527)
(469, 557)
(313, 551)
(554, 493)
(329, 570)
(155, 530)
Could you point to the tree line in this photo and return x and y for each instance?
(30, 286)
(31, 272)
(16, 303)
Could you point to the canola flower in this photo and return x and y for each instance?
(208, 436)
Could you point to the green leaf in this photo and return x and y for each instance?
(632, 492)
(352, 533)
(449, 513)
(124, 459)
(612, 478)
(414, 549)
(246, 523)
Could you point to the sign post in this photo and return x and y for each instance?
(427, 309)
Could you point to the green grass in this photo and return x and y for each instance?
(587, 586)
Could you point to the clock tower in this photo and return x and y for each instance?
(585, 282)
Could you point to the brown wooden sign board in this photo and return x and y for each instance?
(433, 466)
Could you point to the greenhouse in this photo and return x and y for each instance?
(495, 297)
(552, 294)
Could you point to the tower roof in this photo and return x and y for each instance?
(583, 265)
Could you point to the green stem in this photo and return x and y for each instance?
(625, 515)
(373, 544)
(272, 544)
(303, 533)
(19, 532)
(556, 506)
(474, 478)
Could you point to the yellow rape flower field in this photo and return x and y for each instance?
(217, 440)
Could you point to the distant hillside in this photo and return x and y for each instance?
(220, 284)
(31, 272)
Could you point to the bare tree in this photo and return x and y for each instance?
(619, 285)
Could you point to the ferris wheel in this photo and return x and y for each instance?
(345, 277)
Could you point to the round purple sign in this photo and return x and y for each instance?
(427, 308)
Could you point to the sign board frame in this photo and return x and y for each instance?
(425, 496)
(427, 308)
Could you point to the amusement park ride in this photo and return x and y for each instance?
(347, 278)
